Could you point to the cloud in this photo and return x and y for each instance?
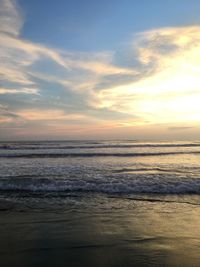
(11, 20)
(50, 115)
(153, 79)
(18, 91)
(167, 78)
(18, 56)
(180, 128)
(7, 116)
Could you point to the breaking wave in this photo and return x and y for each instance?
(153, 185)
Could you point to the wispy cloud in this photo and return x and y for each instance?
(51, 115)
(18, 91)
(18, 55)
(11, 20)
(7, 116)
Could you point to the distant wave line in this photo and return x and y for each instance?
(90, 155)
(42, 147)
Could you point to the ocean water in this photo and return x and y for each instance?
(100, 203)
(126, 167)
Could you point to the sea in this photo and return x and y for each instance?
(100, 203)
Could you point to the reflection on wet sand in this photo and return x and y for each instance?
(138, 233)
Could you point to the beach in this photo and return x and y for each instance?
(102, 231)
(99, 210)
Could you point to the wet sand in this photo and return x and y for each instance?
(105, 232)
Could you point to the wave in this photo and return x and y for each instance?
(94, 146)
(108, 186)
(89, 155)
(184, 170)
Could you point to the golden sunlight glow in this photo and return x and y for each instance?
(172, 93)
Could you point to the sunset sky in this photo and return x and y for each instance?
(109, 69)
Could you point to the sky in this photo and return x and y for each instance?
(109, 69)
